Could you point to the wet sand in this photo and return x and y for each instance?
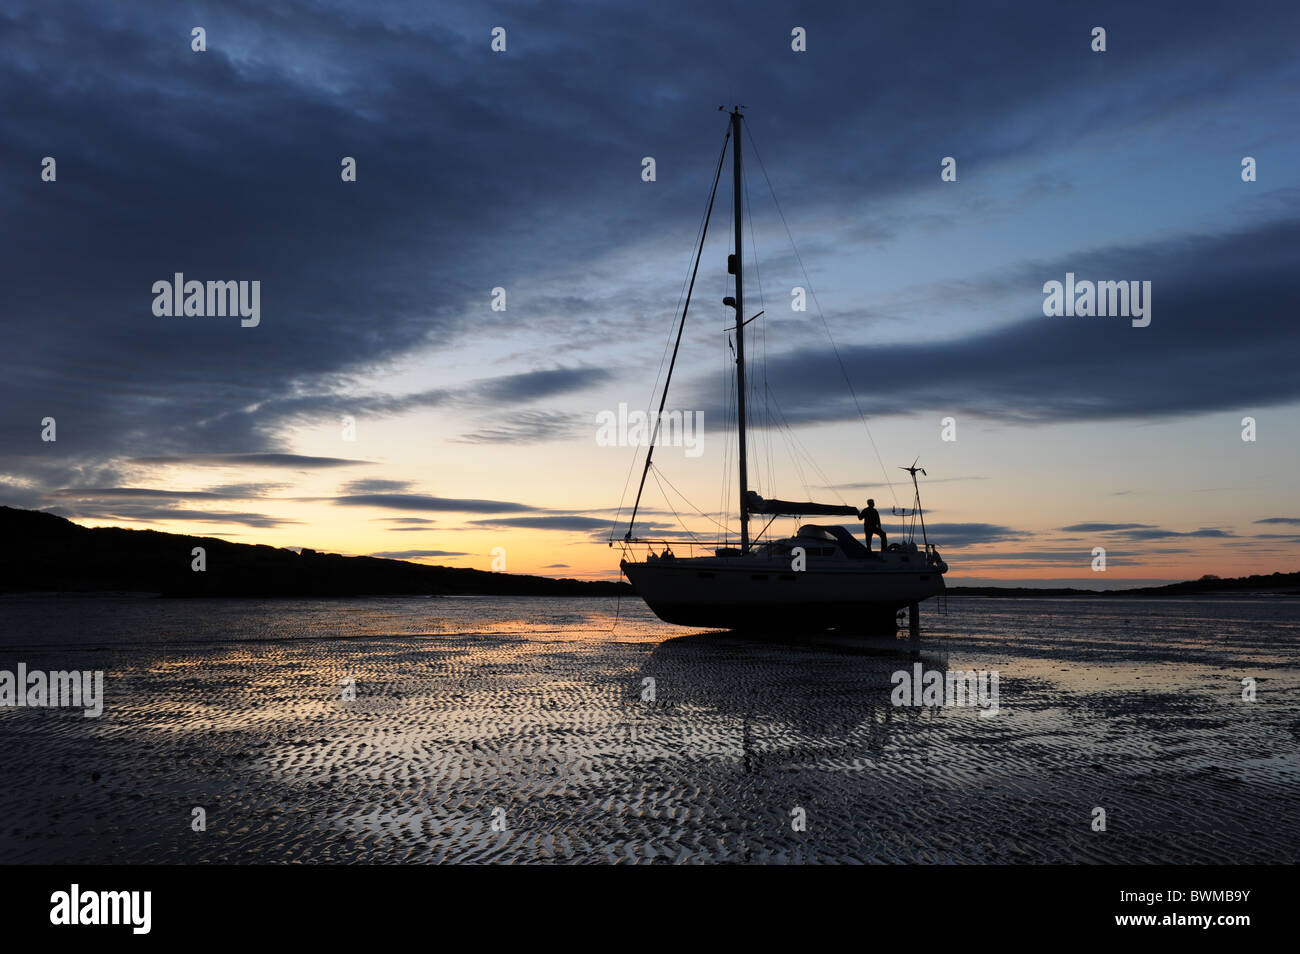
(517, 731)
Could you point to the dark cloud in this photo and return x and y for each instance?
(547, 522)
(247, 491)
(422, 502)
(534, 385)
(1143, 531)
(951, 535)
(1104, 527)
(417, 554)
(1082, 556)
(526, 427)
(89, 493)
(510, 390)
(375, 485)
(144, 514)
(345, 269)
(1040, 369)
(1159, 534)
(295, 461)
(868, 485)
(223, 492)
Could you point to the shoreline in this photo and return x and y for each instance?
(990, 592)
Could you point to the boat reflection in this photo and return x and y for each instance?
(817, 697)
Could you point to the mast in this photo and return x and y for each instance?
(739, 267)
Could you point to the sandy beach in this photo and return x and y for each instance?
(523, 730)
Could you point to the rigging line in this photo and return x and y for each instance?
(658, 374)
(686, 530)
(694, 540)
(843, 370)
(770, 400)
(812, 461)
(699, 238)
(654, 437)
(770, 426)
(660, 474)
(752, 381)
(782, 426)
(792, 445)
(760, 336)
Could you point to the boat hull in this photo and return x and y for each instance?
(752, 596)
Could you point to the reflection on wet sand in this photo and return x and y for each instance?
(525, 732)
(792, 698)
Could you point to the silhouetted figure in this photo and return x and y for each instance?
(871, 526)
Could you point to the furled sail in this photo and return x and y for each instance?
(758, 505)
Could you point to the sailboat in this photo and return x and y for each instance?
(822, 578)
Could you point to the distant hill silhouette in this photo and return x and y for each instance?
(1286, 584)
(46, 553)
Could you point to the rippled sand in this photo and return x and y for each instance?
(530, 714)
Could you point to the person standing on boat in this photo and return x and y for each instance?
(871, 526)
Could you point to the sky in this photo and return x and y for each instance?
(382, 404)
